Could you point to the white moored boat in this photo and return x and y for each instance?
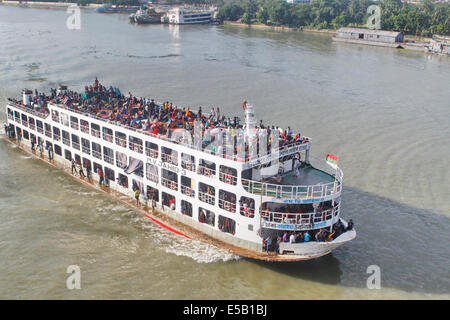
(241, 186)
(187, 16)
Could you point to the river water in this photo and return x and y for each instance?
(385, 112)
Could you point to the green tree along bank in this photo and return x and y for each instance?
(423, 19)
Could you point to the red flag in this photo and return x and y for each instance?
(244, 104)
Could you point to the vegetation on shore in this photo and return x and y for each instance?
(423, 19)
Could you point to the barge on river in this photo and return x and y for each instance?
(240, 185)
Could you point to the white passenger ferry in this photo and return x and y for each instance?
(187, 16)
(250, 188)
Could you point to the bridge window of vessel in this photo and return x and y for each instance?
(186, 208)
(48, 130)
(109, 174)
(170, 156)
(56, 134)
(65, 119)
(31, 124)
(39, 126)
(74, 122)
(95, 130)
(84, 126)
(55, 116)
(67, 155)
(187, 186)
(24, 120)
(247, 207)
(108, 155)
(66, 138)
(227, 201)
(188, 162)
(121, 160)
(122, 180)
(206, 193)
(152, 194)
(135, 144)
(207, 168)
(85, 146)
(169, 200)
(206, 216)
(151, 172)
(228, 175)
(97, 150)
(58, 150)
(151, 150)
(121, 139)
(75, 142)
(226, 225)
(169, 179)
(107, 134)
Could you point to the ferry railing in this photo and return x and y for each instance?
(42, 115)
(207, 172)
(152, 177)
(188, 165)
(24, 123)
(17, 119)
(56, 137)
(169, 158)
(74, 125)
(108, 159)
(84, 128)
(97, 154)
(228, 178)
(152, 153)
(227, 205)
(86, 149)
(247, 212)
(66, 141)
(135, 147)
(10, 117)
(169, 184)
(48, 133)
(121, 142)
(31, 126)
(95, 133)
(187, 191)
(40, 130)
(76, 145)
(207, 198)
(107, 137)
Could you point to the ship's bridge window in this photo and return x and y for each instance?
(151, 172)
(207, 168)
(109, 174)
(226, 225)
(24, 119)
(152, 194)
(170, 156)
(188, 162)
(67, 155)
(121, 139)
(75, 142)
(227, 201)
(187, 186)
(151, 149)
(66, 138)
(108, 155)
(206, 193)
(122, 180)
(84, 126)
(169, 179)
(39, 126)
(135, 166)
(247, 207)
(85, 146)
(74, 122)
(121, 160)
(135, 144)
(107, 134)
(186, 208)
(169, 200)
(56, 134)
(58, 150)
(65, 119)
(228, 175)
(55, 116)
(25, 135)
(97, 150)
(206, 216)
(95, 130)
(31, 123)
(48, 130)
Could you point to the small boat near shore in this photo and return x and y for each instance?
(145, 16)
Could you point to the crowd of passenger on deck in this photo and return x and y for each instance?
(110, 104)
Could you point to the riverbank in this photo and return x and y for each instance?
(279, 28)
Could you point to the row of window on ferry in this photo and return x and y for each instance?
(206, 168)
